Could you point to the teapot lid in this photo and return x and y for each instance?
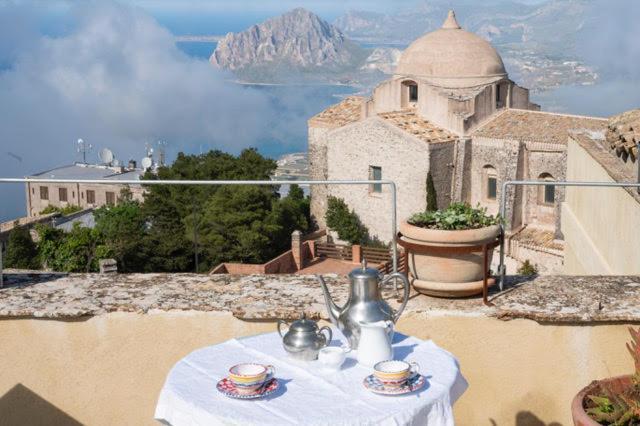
(363, 272)
(304, 325)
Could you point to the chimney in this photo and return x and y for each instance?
(132, 164)
(108, 266)
(296, 249)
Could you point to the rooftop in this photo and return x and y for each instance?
(536, 126)
(606, 158)
(562, 299)
(623, 134)
(418, 127)
(340, 114)
(89, 171)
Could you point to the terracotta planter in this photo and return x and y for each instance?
(580, 417)
(448, 272)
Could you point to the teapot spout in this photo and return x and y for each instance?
(333, 309)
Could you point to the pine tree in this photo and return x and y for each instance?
(432, 198)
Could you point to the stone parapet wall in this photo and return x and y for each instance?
(554, 299)
(90, 349)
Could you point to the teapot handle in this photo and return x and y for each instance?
(280, 322)
(328, 330)
(405, 297)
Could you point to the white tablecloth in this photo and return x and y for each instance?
(307, 394)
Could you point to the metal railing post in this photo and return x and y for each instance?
(502, 270)
(390, 183)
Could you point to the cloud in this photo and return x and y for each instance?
(117, 80)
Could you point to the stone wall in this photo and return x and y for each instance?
(403, 159)
(90, 349)
(550, 159)
(502, 155)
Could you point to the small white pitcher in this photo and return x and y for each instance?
(375, 342)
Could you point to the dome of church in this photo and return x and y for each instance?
(452, 57)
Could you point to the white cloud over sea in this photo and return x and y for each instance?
(115, 78)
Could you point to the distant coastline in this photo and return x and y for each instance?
(198, 38)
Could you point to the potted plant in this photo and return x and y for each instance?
(614, 401)
(445, 270)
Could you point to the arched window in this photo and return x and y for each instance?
(490, 182)
(409, 95)
(546, 193)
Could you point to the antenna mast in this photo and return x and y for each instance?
(83, 148)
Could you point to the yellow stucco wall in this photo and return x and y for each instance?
(599, 224)
(109, 369)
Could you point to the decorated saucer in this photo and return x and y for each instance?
(413, 384)
(227, 388)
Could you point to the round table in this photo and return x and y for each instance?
(307, 394)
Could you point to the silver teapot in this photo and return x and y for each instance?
(365, 303)
(304, 340)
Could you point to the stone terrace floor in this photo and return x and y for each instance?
(264, 297)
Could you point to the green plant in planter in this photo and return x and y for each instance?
(621, 408)
(458, 216)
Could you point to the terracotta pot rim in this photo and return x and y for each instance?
(475, 236)
(580, 417)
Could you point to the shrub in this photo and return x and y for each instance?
(345, 222)
(458, 216)
(528, 269)
(65, 211)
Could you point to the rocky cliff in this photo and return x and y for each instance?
(293, 46)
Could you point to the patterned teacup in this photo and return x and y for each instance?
(248, 378)
(393, 374)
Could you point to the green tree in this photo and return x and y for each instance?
(230, 223)
(432, 197)
(345, 222)
(75, 251)
(122, 230)
(22, 252)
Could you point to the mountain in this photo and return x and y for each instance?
(296, 46)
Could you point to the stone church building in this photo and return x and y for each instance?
(452, 110)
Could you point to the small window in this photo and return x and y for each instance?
(375, 173)
(44, 192)
(73, 194)
(91, 197)
(111, 198)
(490, 177)
(413, 93)
(62, 194)
(547, 193)
(492, 188)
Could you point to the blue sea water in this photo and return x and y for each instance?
(197, 49)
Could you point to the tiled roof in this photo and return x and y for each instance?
(623, 134)
(340, 114)
(535, 237)
(418, 127)
(536, 126)
(599, 150)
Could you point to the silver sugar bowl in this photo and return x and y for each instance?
(303, 340)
